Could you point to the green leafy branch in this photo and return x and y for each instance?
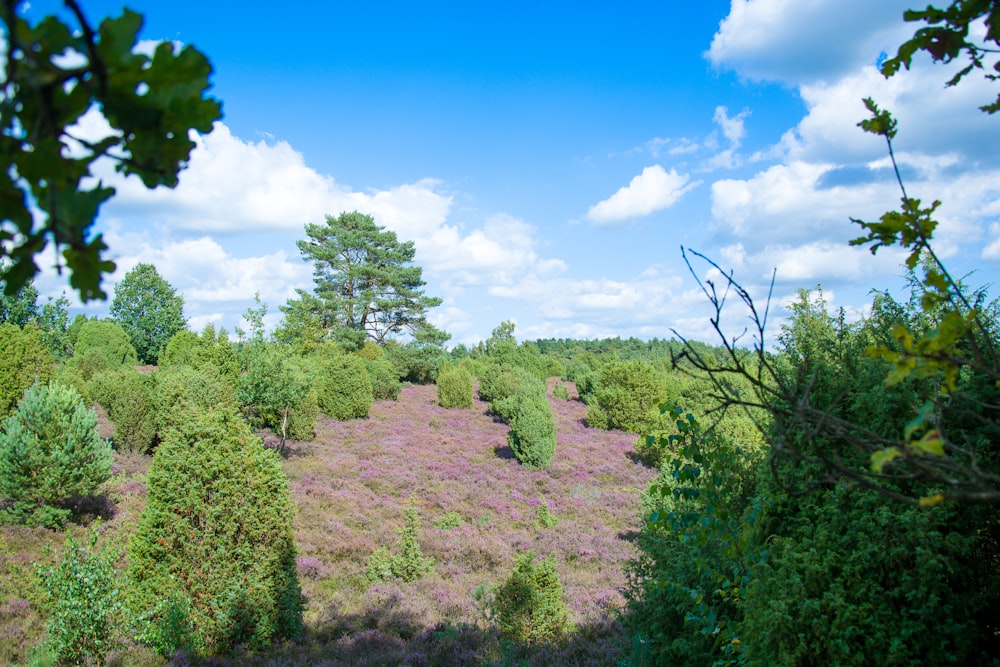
(946, 37)
(54, 74)
(960, 340)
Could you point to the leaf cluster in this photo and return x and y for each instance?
(84, 602)
(150, 102)
(947, 36)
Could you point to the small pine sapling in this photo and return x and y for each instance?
(410, 563)
(50, 454)
(544, 515)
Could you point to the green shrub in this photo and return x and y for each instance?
(276, 393)
(218, 352)
(586, 385)
(342, 386)
(370, 350)
(83, 602)
(629, 394)
(449, 520)
(129, 398)
(209, 350)
(597, 418)
(302, 418)
(415, 362)
(23, 358)
(108, 338)
(78, 372)
(505, 383)
(382, 374)
(212, 561)
(698, 548)
(528, 606)
(532, 434)
(378, 567)
(497, 382)
(577, 369)
(409, 563)
(50, 453)
(519, 399)
(544, 515)
(554, 368)
(181, 350)
(181, 389)
(455, 387)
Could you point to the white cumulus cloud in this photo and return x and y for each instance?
(806, 40)
(653, 190)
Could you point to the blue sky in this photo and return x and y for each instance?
(550, 159)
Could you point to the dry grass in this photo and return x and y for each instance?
(352, 484)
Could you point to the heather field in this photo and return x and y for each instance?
(478, 508)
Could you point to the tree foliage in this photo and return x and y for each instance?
(528, 605)
(149, 310)
(456, 387)
(365, 281)
(21, 307)
(23, 359)
(150, 103)
(213, 557)
(108, 339)
(50, 454)
(84, 602)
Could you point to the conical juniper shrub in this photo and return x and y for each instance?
(212, 563)
(342, 385)
(532, 434)
(627, 397)
(50, 454)
(109, 339)
(497, 382)
(528, 606)
(526, 409)
(182, 388)
(456, 387)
